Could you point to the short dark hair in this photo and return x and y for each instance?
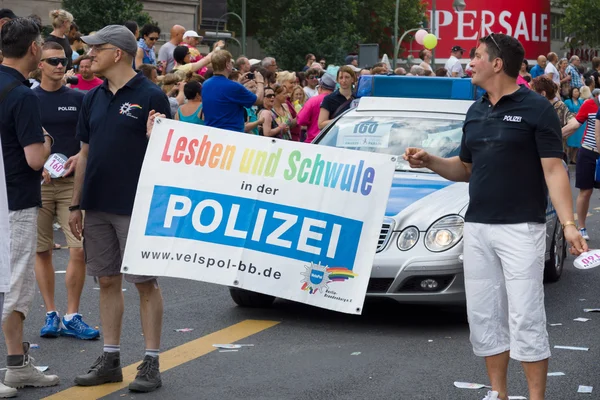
(545, 84)
(149, 29)
(179, 54)
(132, 26)
(441, 72)
(506, 48)
(572, 90)
(52, 46)
(17, 36)
(422, 53)
(191, 89)
(309, 56)
(82, 58)
(74, 27)
(472, 52)
(147, 69)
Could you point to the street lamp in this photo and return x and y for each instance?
(242, 21)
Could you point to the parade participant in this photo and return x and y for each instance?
(108, 170)
(505, 225)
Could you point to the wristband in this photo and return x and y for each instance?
(74, 208)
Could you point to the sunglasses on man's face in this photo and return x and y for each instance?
(313, 77)
(270, 96)
(55, 61)
(154, 38)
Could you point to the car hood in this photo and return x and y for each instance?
(420, 200)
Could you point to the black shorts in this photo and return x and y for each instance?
(585, 170)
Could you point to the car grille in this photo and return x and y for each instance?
(386, 232)
(379, 285)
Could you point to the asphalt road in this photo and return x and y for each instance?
(405, 352)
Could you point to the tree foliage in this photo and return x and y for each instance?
(580, 21)
(290, 29)
(92, 15)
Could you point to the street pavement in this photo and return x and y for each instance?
(299, 352)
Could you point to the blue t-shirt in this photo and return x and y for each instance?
(60, 113)
(114, 126)
(20, 126)
(224, 101)
(536, 71)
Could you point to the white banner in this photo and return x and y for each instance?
(287, 219)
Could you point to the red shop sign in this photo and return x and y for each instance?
(528, 21)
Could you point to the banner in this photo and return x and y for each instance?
(287, 219)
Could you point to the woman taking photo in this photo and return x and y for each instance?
(574, 103)
(191, 112)
(149, 35)
(273, 125)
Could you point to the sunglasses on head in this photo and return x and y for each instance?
(54, 61)
(491, 37)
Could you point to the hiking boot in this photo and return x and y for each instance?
(6, 392)
(106, 369)
(27, 374)
(148, 376)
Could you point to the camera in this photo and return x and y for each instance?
(250, 75)
(72, 80)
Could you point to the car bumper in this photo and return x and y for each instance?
(400, 280)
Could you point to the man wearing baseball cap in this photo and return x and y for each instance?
(309, 115)
(453, 65)
(191, 40)
(113, 133)
(6, 15)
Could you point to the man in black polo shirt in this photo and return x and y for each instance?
(112, 129)
(511, 146)
(25, 148)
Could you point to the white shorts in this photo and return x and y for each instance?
(504, 272)
(23, 243)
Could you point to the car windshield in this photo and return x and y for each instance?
(392, 135)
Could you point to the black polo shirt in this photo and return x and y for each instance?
(114, 126)
(333, 102)
(504, 143)
(20, 126)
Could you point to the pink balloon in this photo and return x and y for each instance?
(420, 35)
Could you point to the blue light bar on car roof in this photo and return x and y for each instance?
(417, 87)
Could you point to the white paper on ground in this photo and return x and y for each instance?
(556, 374)
(585, 389)
(572, 348)
(559, 324)
(469, 385)
(581, 319)
(228, 351)
(517, 398)
(60, 272)
(227, 346)
(591, 310)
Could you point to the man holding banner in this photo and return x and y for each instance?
(112, 129)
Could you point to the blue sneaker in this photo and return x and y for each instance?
(52, 327)
(78, 329)
(584, 234)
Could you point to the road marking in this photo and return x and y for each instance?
(170, 358)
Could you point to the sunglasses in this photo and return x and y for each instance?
(313, 77)
(153, 38)
(491, 36)
(270, 96)
(55, 61)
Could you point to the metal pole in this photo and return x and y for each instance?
(244, 27)
(396, 44)
(434, 31)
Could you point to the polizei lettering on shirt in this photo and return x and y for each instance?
(512, 118)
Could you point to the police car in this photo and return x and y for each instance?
(419, 255)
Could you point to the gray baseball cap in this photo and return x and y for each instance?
(117, 35)
(327, 82)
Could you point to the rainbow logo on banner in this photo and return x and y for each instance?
(317, 277)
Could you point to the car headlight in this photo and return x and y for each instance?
(444, 233)
(408, 238)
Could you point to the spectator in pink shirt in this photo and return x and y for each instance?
(87, 79)
(309, 115)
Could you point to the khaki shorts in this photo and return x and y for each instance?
(56, 199)
(23, 237)
(104, 239)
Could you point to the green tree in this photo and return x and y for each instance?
(289, 29)
(92, 15)
(580, 22)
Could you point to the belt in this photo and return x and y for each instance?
(595, 150)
